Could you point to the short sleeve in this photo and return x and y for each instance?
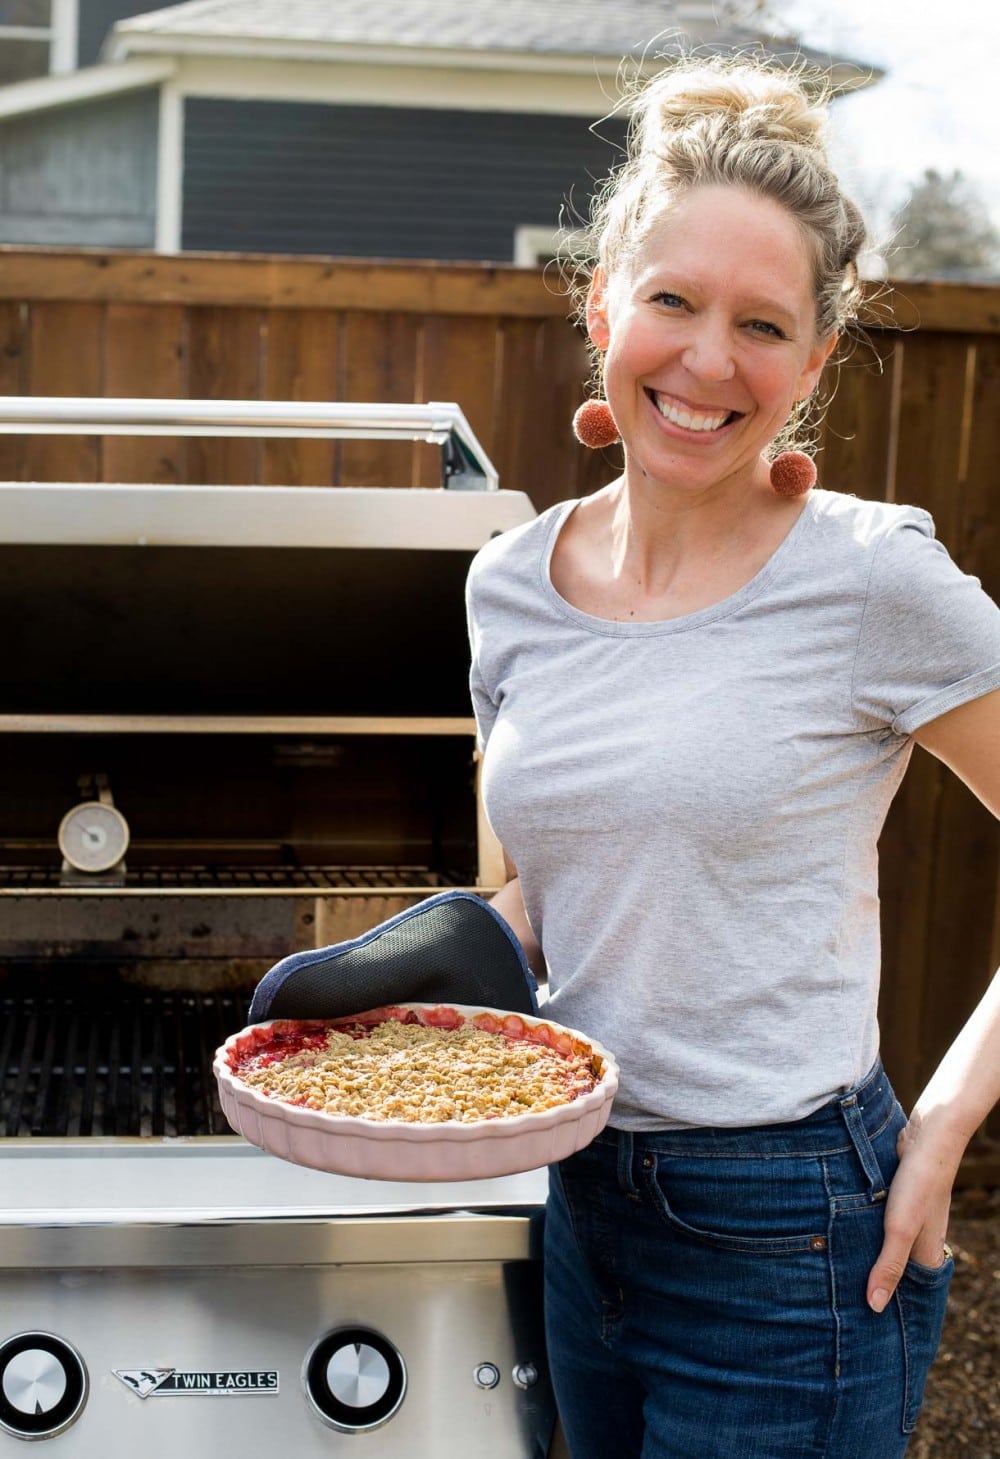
(483, 706)
(930, 636)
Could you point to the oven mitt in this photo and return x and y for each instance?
(452, 948)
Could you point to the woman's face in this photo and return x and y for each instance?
(709, 338)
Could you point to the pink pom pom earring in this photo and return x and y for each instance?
(793, 473)
(594, 425)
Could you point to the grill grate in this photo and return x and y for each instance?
(250, 878)
(140, 1065)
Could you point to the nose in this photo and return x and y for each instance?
(708, 354)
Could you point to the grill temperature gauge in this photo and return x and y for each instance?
(94, 836)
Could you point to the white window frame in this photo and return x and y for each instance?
(535, 245)
(65, 36)
(62, 34)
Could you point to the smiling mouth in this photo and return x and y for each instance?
(693, 420)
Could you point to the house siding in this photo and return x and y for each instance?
(81, 174)
(96, 17)
(381, 181)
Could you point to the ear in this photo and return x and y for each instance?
(820, 353)
(597, 311)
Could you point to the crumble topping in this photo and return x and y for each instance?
(419, 1073)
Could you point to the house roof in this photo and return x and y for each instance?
(583, 27)
(584, 31)
(585, 38)
(42, 93)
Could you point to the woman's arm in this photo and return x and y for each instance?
(966, 1085)
(510, 904)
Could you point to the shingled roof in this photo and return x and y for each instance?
(588, 31)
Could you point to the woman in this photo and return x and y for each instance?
(698, 690)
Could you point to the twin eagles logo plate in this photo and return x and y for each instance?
(181, 1383)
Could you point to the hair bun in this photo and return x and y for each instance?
(756, 102)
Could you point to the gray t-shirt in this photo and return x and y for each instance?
(693, 805)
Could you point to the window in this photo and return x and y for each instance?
(33, 14)
(534, 247)
(36, 37)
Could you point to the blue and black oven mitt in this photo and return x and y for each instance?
(452, 948)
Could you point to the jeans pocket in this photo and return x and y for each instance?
(766, 1207)
(884, 1144)
(922, 1297)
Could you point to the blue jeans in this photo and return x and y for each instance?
(705, 1292)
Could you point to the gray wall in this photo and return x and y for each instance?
(96, 19)
(380, 181)
(81, 174)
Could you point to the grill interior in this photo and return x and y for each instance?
(259, 824)
(260, 802)
(217, 630)
(106, 1060)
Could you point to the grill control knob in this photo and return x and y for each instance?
(358, 1375)
(487, 1375)
(43, 1385)
(525, 1375)
(355, 1379)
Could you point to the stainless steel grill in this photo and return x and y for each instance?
(261, 693)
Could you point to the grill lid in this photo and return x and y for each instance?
(464, 463)
(242, 601)
(149, 516)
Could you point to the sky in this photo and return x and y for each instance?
(937, 106)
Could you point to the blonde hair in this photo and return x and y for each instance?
(736, 123)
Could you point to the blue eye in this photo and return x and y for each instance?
(673, 301)
(761, 326)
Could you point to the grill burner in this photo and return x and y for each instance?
(135, 1063)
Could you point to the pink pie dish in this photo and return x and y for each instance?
(449, 1150)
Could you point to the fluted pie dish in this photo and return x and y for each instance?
(417, 1091)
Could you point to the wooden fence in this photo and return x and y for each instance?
(914, 418)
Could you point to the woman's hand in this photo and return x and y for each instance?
(966, 1085)
(916, 1213)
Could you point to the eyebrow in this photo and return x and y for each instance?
(770, 306)
(757, 304)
